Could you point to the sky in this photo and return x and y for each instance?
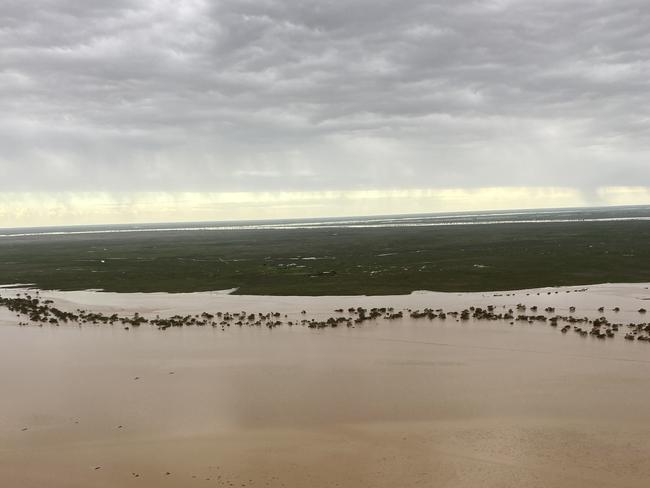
(156, 110)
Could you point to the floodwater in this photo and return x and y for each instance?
(390, 403)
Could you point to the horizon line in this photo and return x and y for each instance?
(270, 223)
(35, 210)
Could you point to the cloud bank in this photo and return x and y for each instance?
(300, 95)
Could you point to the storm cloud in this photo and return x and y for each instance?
(267, 95)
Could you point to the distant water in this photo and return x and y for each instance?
(600, 214)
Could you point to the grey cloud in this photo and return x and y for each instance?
(286, 95)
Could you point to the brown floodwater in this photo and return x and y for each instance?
(385, 404)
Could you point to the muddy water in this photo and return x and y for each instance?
(403, 403)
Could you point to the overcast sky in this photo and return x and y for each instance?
(126, 97)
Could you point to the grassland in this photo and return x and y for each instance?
(347, 261)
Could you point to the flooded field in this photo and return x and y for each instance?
(384, 403)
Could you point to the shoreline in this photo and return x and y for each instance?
(639, 291)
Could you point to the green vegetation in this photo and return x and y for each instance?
(349, 261)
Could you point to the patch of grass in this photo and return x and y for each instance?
(357, 261)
